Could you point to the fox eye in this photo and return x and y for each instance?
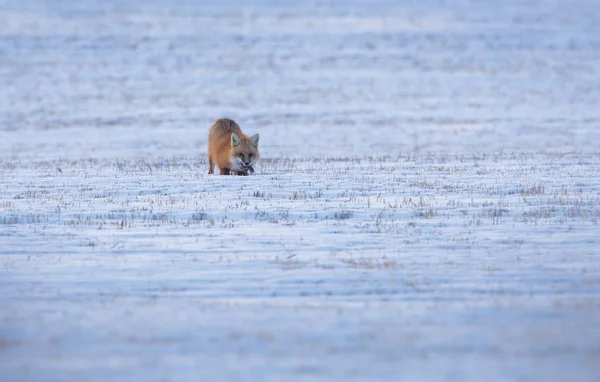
(250, 155)
(241, 155)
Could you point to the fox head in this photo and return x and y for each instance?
(244, 152)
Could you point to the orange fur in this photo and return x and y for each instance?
(230, 149)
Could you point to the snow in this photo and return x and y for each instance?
(426, 209)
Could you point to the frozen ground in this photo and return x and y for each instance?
(401, 268)
(427, 209)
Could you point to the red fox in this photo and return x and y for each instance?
(231, 150)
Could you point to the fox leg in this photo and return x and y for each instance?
(225, 171)
(211, 166)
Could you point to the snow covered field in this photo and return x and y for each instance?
(427, 208)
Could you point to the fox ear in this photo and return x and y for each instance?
(235, 140)
(254, 140)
